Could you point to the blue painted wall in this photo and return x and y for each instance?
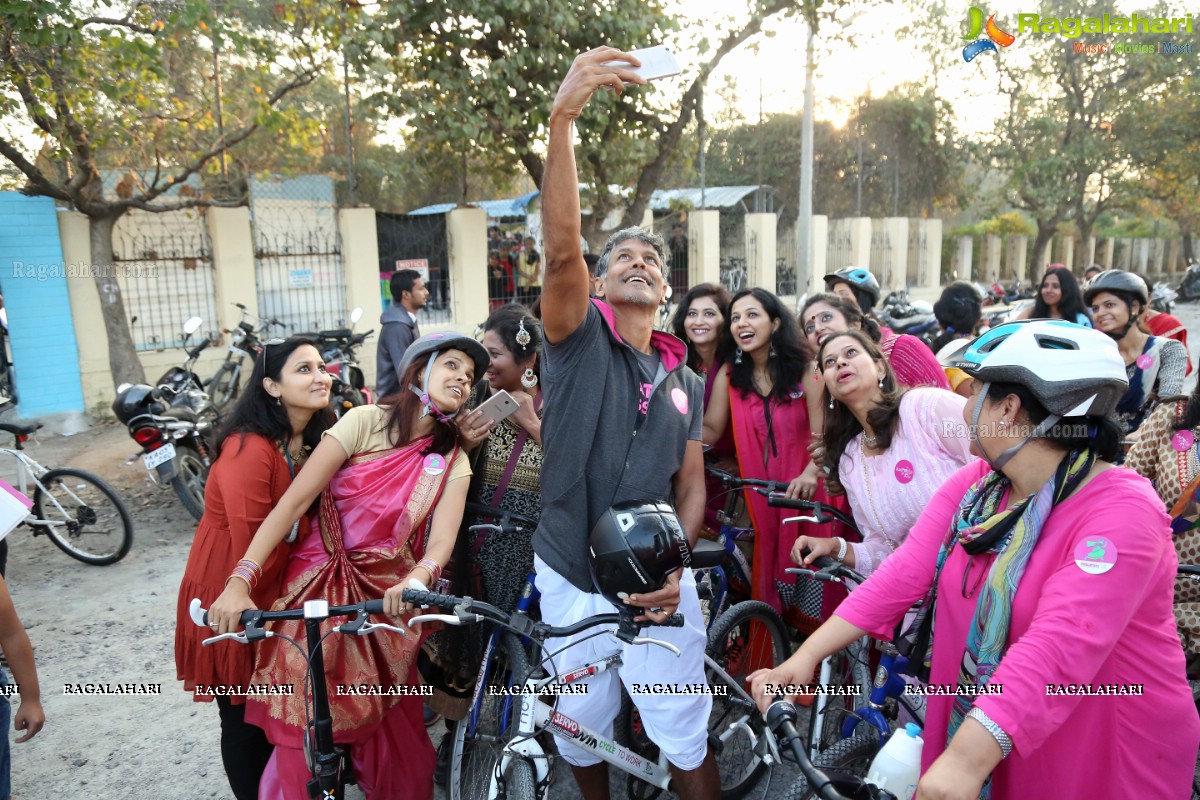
(34, 282)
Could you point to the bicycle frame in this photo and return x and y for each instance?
(29, 470)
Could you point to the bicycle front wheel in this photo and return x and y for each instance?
(87, 519)
(853, 755)
(476, 753)
(748, 636)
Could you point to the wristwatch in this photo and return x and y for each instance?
(995, 730)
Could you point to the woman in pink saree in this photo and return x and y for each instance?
(760, 394)
(385, 474)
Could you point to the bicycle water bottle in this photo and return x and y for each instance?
(897, 767)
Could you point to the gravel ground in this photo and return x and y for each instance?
(115, 624)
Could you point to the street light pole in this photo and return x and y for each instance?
(804, 244)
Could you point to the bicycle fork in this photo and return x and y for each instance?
(324, 759)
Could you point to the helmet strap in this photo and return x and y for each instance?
(998, 463)
(428, 406)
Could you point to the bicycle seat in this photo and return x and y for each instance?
(20, 430)
(707, 554)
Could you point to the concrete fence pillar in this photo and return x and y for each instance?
(929, 275)
(1109, 252)
(760, 235)
(704, 246)
(1015, 263)
(234, 276)
(1066, 251)
(360, 261)
(991, 261)
(814, 265)
(893, 271)
(466, 230)
(962, 267)
(1173, 256)
(860, 241)
(1089, 249)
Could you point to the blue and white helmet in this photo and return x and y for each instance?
(857, 277)
(1072, 370)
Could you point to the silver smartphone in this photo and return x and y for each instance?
(657, 62)
(498, 407)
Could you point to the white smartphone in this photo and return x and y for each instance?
(657, 62)
(498, 407)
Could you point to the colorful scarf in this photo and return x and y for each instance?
(980, 527)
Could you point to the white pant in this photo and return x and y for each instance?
(678, 724)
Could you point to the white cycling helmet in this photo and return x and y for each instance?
(1073, 371)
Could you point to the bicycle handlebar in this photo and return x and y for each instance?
(252, 619)
(781, 718)
(824, 513)
(735, 482)
(828, 569)
(1190, 570)
(468, 610)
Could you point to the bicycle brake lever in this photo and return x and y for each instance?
(239, 636)
(449, 619)
(817, 520)
(368, 627)
(647, 640)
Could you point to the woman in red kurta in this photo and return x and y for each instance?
(760, 395)
(279, 418)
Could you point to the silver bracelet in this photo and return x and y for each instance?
(995, 730)
(841, 555)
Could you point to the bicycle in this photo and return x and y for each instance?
(521, 768)
(80, 513)
(245, 342)
(328, 763)
(869, 715)
(827, 785)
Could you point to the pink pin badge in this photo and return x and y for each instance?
(1183, 441)
(1095, 556)
(435, 464)
(904, 471)
(1144, 361)
(679, 398)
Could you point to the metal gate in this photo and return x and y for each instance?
(164, 268)
(413, 239)
(298, 253)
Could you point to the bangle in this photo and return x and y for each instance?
(995, 730)
(841, 555)
(248, 571)
(435, 569)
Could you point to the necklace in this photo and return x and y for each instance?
(866, 475)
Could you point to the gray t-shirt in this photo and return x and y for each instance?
(610, 433)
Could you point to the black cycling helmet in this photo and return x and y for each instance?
(861, 281)
(1116, 281)
(634, 546)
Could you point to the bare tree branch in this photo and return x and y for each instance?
(36, 177)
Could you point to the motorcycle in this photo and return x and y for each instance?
(914, 318)
(1162, 299)
(174, 422)
(1189, 287)
(337, 347)
(244, 342)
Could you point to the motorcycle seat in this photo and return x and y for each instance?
(338, 333)
(20, 430)
(180, 412)
(707, 554)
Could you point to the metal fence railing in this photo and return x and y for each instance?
(416, 242)
(786, 260)
(165, 273)
(734, 251)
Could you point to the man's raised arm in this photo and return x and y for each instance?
(565, 287)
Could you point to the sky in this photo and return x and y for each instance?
(879, 61)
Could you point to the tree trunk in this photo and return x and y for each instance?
(1085, 232)
(122, 355)
(1189, 255)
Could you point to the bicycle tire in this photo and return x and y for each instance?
(633, 735)
(519, 783)
(734, 644)
(473, 761)
(853, 755)
(846, 663)
(222, 387)
(189, 482)
(113, 527)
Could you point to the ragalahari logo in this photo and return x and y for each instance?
(995, 36)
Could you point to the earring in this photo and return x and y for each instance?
(523, 337)
(738, 358)
(831, 404)
(528, 379)
(881, 382)
(771, 354)
(278, 401)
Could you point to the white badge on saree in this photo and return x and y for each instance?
(435, 464)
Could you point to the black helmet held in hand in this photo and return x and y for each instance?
(634, 546)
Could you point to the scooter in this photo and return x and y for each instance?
(1189, 287)
(174, 422)
(914, 318)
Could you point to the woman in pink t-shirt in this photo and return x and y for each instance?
(1047, 581)
(890, 449)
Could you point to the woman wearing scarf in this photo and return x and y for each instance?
(1047, 579)
(384, 473)
(759, 393)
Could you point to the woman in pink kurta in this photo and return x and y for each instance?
(1087, 697)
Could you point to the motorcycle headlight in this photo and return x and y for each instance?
(237, 335)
